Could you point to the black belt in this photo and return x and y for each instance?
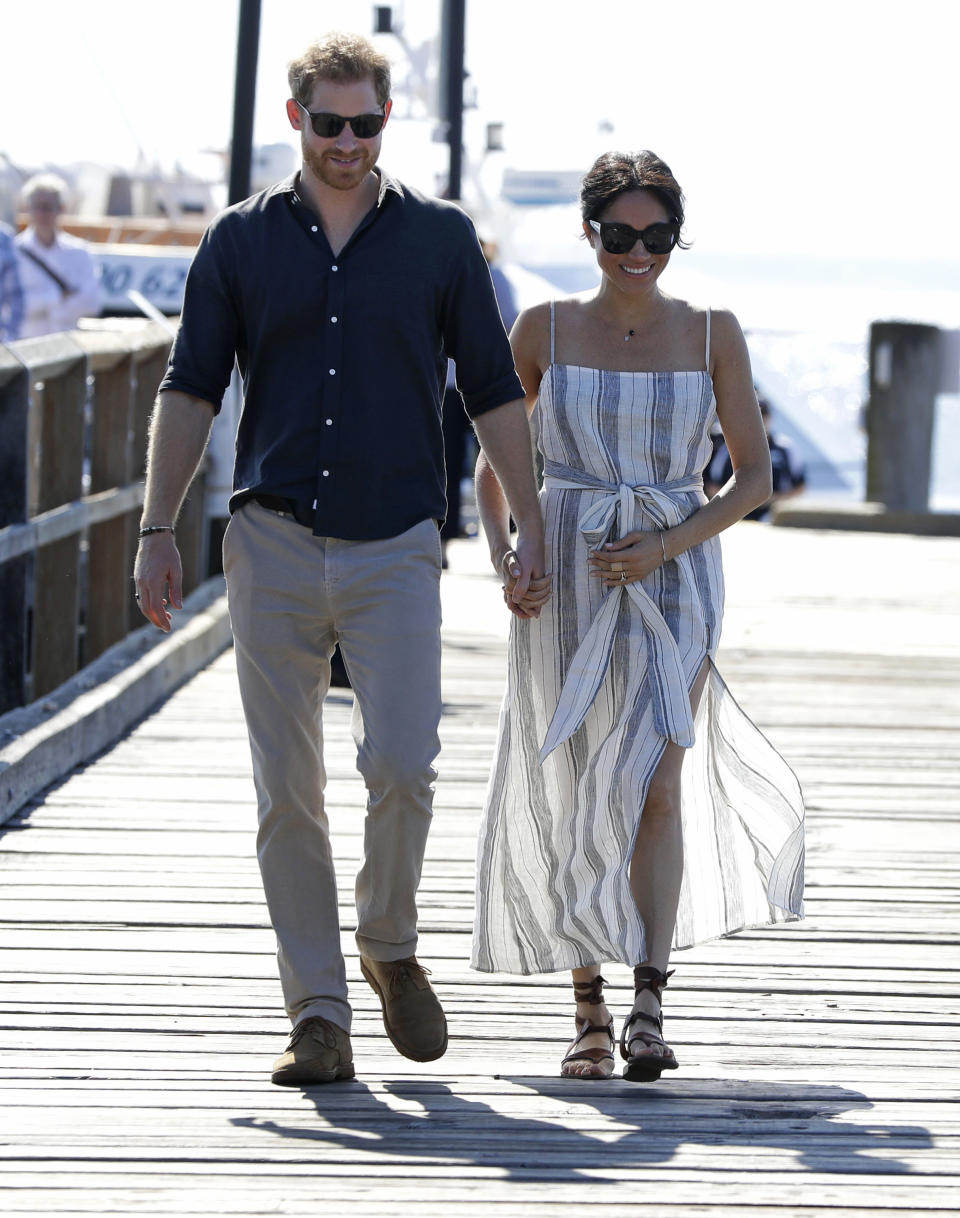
(289, 507)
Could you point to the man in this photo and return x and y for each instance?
(11, 292)
(341, 293)
(59, 276)
(789, 475)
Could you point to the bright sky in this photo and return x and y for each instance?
(826, 127)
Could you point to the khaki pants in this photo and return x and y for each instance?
(292, 596)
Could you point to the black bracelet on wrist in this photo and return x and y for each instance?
(156, 528)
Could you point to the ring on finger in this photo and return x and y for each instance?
(623, 577)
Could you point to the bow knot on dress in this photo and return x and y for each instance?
(616, 513)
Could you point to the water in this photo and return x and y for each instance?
(807, 323)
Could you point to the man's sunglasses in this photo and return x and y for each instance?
(621, 238)
(329, 126)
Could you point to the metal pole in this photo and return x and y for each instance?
(454, 41)
(244, 95)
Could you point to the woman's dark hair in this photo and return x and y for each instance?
(616, 173)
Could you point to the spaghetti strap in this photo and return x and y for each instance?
(553, 333)
(707, 355)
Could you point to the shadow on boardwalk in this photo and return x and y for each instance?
(637, 1128)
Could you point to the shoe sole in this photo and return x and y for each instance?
(645, 1072)
(307, 1078)
(402, 1049)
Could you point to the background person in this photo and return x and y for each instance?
(11, 290)
(325, 287)
(589, 852)
(59, 276)
(789, 476)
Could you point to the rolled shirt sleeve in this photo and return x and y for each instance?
(208, 340)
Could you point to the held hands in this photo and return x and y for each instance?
(630, 559)
(525, 588)
(156, 569)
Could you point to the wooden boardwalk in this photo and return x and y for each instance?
(140, 1008)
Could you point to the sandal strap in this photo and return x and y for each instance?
(646, 977)
(584, 1028)
(588, 1055)
(655, 1021)
(589, 992)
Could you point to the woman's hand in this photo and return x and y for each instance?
(630, 559)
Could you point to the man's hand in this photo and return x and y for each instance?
(158, 568)
(526, 587)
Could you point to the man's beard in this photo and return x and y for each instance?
(336, 176)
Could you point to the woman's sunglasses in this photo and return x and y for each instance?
(329, 126)
(621, 238)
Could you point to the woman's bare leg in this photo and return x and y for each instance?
(656, 868)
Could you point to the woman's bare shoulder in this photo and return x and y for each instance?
(725, 328)
(532, 327)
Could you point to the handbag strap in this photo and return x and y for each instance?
(62, 284)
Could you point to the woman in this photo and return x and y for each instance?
(593, 848)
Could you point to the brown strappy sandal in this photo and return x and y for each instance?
(646, 1067)
(590, 993)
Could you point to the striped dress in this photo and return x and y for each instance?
(598, 684)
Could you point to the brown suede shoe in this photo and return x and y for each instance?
(318, 1052)
(412, 1014)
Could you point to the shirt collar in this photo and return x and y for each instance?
(291, 185)
(30, 238)
(387, 183)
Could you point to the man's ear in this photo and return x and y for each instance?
(294, 114)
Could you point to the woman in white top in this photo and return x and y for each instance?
(59, 277)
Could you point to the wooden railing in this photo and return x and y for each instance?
(74, 411)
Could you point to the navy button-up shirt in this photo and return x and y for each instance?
(343, 358)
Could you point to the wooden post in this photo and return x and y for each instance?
(58, 375)
(905, 363)
(109, 602)
(14, 415)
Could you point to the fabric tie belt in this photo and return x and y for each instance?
(618, 510)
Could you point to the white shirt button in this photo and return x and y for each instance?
(334, 320)
(313, 228)
(329, 422)
(326, 473)
(334, 268)
(333, 372)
